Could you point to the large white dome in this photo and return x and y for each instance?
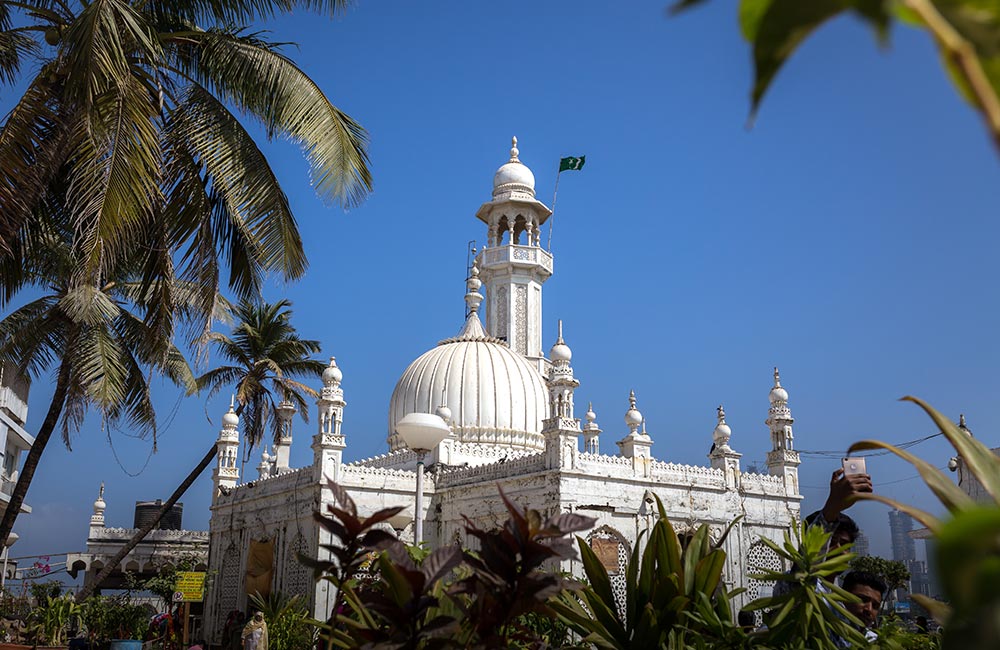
(495, 395)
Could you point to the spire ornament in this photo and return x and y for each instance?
(722, 432)
(513, 150)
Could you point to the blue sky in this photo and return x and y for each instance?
(847, 238)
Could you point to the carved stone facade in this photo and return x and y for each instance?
(510, 410)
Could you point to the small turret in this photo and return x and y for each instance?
(329, 443)
(637, 445)
(591, 432)
(782, 460)
(227, 471)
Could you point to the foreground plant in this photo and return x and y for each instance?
(810, 610)
(663, 584)
(449, 597)
(968, 543)
(965, 32)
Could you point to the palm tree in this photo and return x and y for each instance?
(130, 112)
(267, 355)
(125, 142)
(101, 350)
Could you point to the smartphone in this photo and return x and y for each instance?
(854, 466)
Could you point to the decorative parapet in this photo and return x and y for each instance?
(268, 485)
(159, 534)
(492, 452)
(391, 459)
(763, 484)
(517, 255)
(492, 472)
(605, 460)
(663, 472)
(362, 471)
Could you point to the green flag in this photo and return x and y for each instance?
(571, 164)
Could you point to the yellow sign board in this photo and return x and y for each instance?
(189, 587)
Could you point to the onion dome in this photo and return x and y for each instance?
(590, 416)
(230, 419)
(495, 395)
(444, 413)
(560, 352)
(633, 418)
(778, 394)
(332, 374)
(513, 176)
(722, 431)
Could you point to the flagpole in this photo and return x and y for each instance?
(555, 193)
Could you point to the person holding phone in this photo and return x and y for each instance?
(846, 484)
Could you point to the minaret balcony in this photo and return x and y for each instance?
(518, 256)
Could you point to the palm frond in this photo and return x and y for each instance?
(239, 175)
(249, 73)
(33, 143)
(14, 47)
(33, 337)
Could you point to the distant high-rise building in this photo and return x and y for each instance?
(861, 548)
(903, 548)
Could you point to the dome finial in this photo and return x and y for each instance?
(472, 296)
(513, 149)
(778, 394)
(633, 418)
(722, 432)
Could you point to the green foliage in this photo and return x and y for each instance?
(966, 33)
(893, 635)
(42, 591)
(114, 617)
(164, 583)
(267, 355)
(893, 572)
(968, 549)
(663, 583)
(53, 618)
(810, 611)
(289, 626)
(489, 599)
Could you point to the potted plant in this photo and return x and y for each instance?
(52, 620)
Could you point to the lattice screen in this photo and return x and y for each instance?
(230, 584)
(606, 534)
(760, 558)
(298, 577)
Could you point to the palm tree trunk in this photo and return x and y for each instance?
(35, 453)
(93, 583)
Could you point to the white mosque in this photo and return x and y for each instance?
(512, 419)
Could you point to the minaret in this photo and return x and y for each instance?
(97, 519)
(227, 471)
(266, 467)
(591, 432)
(637, 445)
(722, 456)
(513, 264)
(283, 445)
(328, 443)
(782, 460)
(561, 430)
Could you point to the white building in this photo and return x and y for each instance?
(164, 547)
(14, 440)
(513, 421)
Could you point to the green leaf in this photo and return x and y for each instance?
(776, 28)
(980, 460)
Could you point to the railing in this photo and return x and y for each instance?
(514, 254)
